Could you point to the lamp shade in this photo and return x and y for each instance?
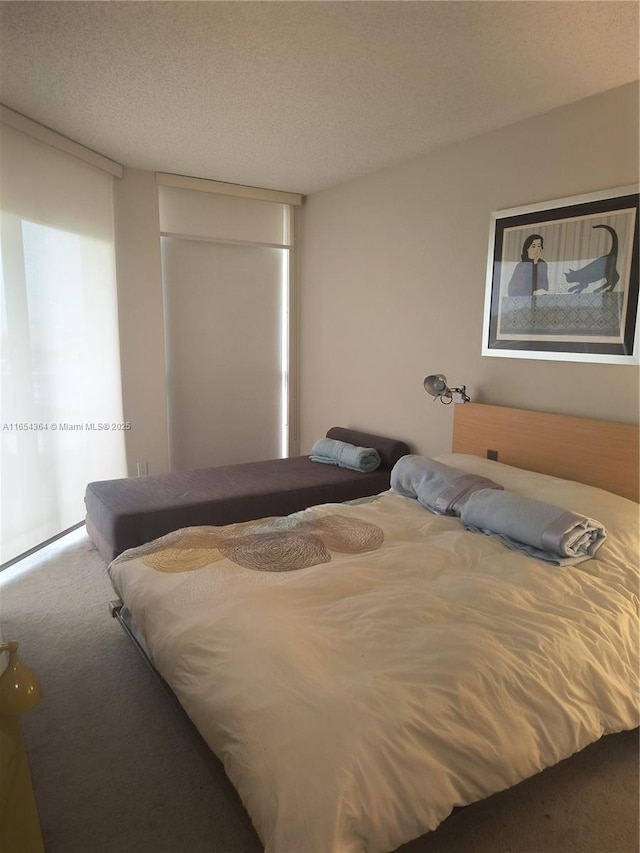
(436, 385)
(19, 688)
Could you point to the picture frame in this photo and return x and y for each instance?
(562, 280)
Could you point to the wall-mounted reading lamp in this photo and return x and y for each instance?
(436, 385)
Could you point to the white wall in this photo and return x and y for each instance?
(140, 316)
(393, 278)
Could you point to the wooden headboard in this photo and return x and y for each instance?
(599, 453)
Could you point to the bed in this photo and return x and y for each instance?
(364, 669)
(126, 512)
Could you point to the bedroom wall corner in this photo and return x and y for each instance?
(139, 275)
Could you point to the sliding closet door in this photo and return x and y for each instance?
(225, 312)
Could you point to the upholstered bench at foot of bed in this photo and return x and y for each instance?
(122, 514)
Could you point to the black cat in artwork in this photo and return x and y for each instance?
(604, 267)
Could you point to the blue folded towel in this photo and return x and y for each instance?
(538, 529)
(439, 488)
(333, 452)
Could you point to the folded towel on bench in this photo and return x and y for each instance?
(439, 488)
(538, 529)
(333, 452)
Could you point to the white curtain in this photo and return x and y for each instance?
(61, 402)
(225, 268)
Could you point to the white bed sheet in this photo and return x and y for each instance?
(356, 702)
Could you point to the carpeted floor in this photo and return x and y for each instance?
(117, 769)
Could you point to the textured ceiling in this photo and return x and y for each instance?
(302, 95)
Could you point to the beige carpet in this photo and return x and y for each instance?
(116, 769)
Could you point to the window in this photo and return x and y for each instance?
(226, 264)
(61, 403)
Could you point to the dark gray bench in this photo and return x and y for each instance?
(124, 513)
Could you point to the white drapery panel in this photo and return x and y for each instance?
(61, 402)
(226, 265)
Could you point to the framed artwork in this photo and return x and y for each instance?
(562, 280)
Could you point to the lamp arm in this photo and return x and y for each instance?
(462, 390)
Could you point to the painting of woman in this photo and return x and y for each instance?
(530, 275)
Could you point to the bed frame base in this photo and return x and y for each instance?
(115, 609)
(215, 765)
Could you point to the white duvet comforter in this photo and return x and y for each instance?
(412, 668)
